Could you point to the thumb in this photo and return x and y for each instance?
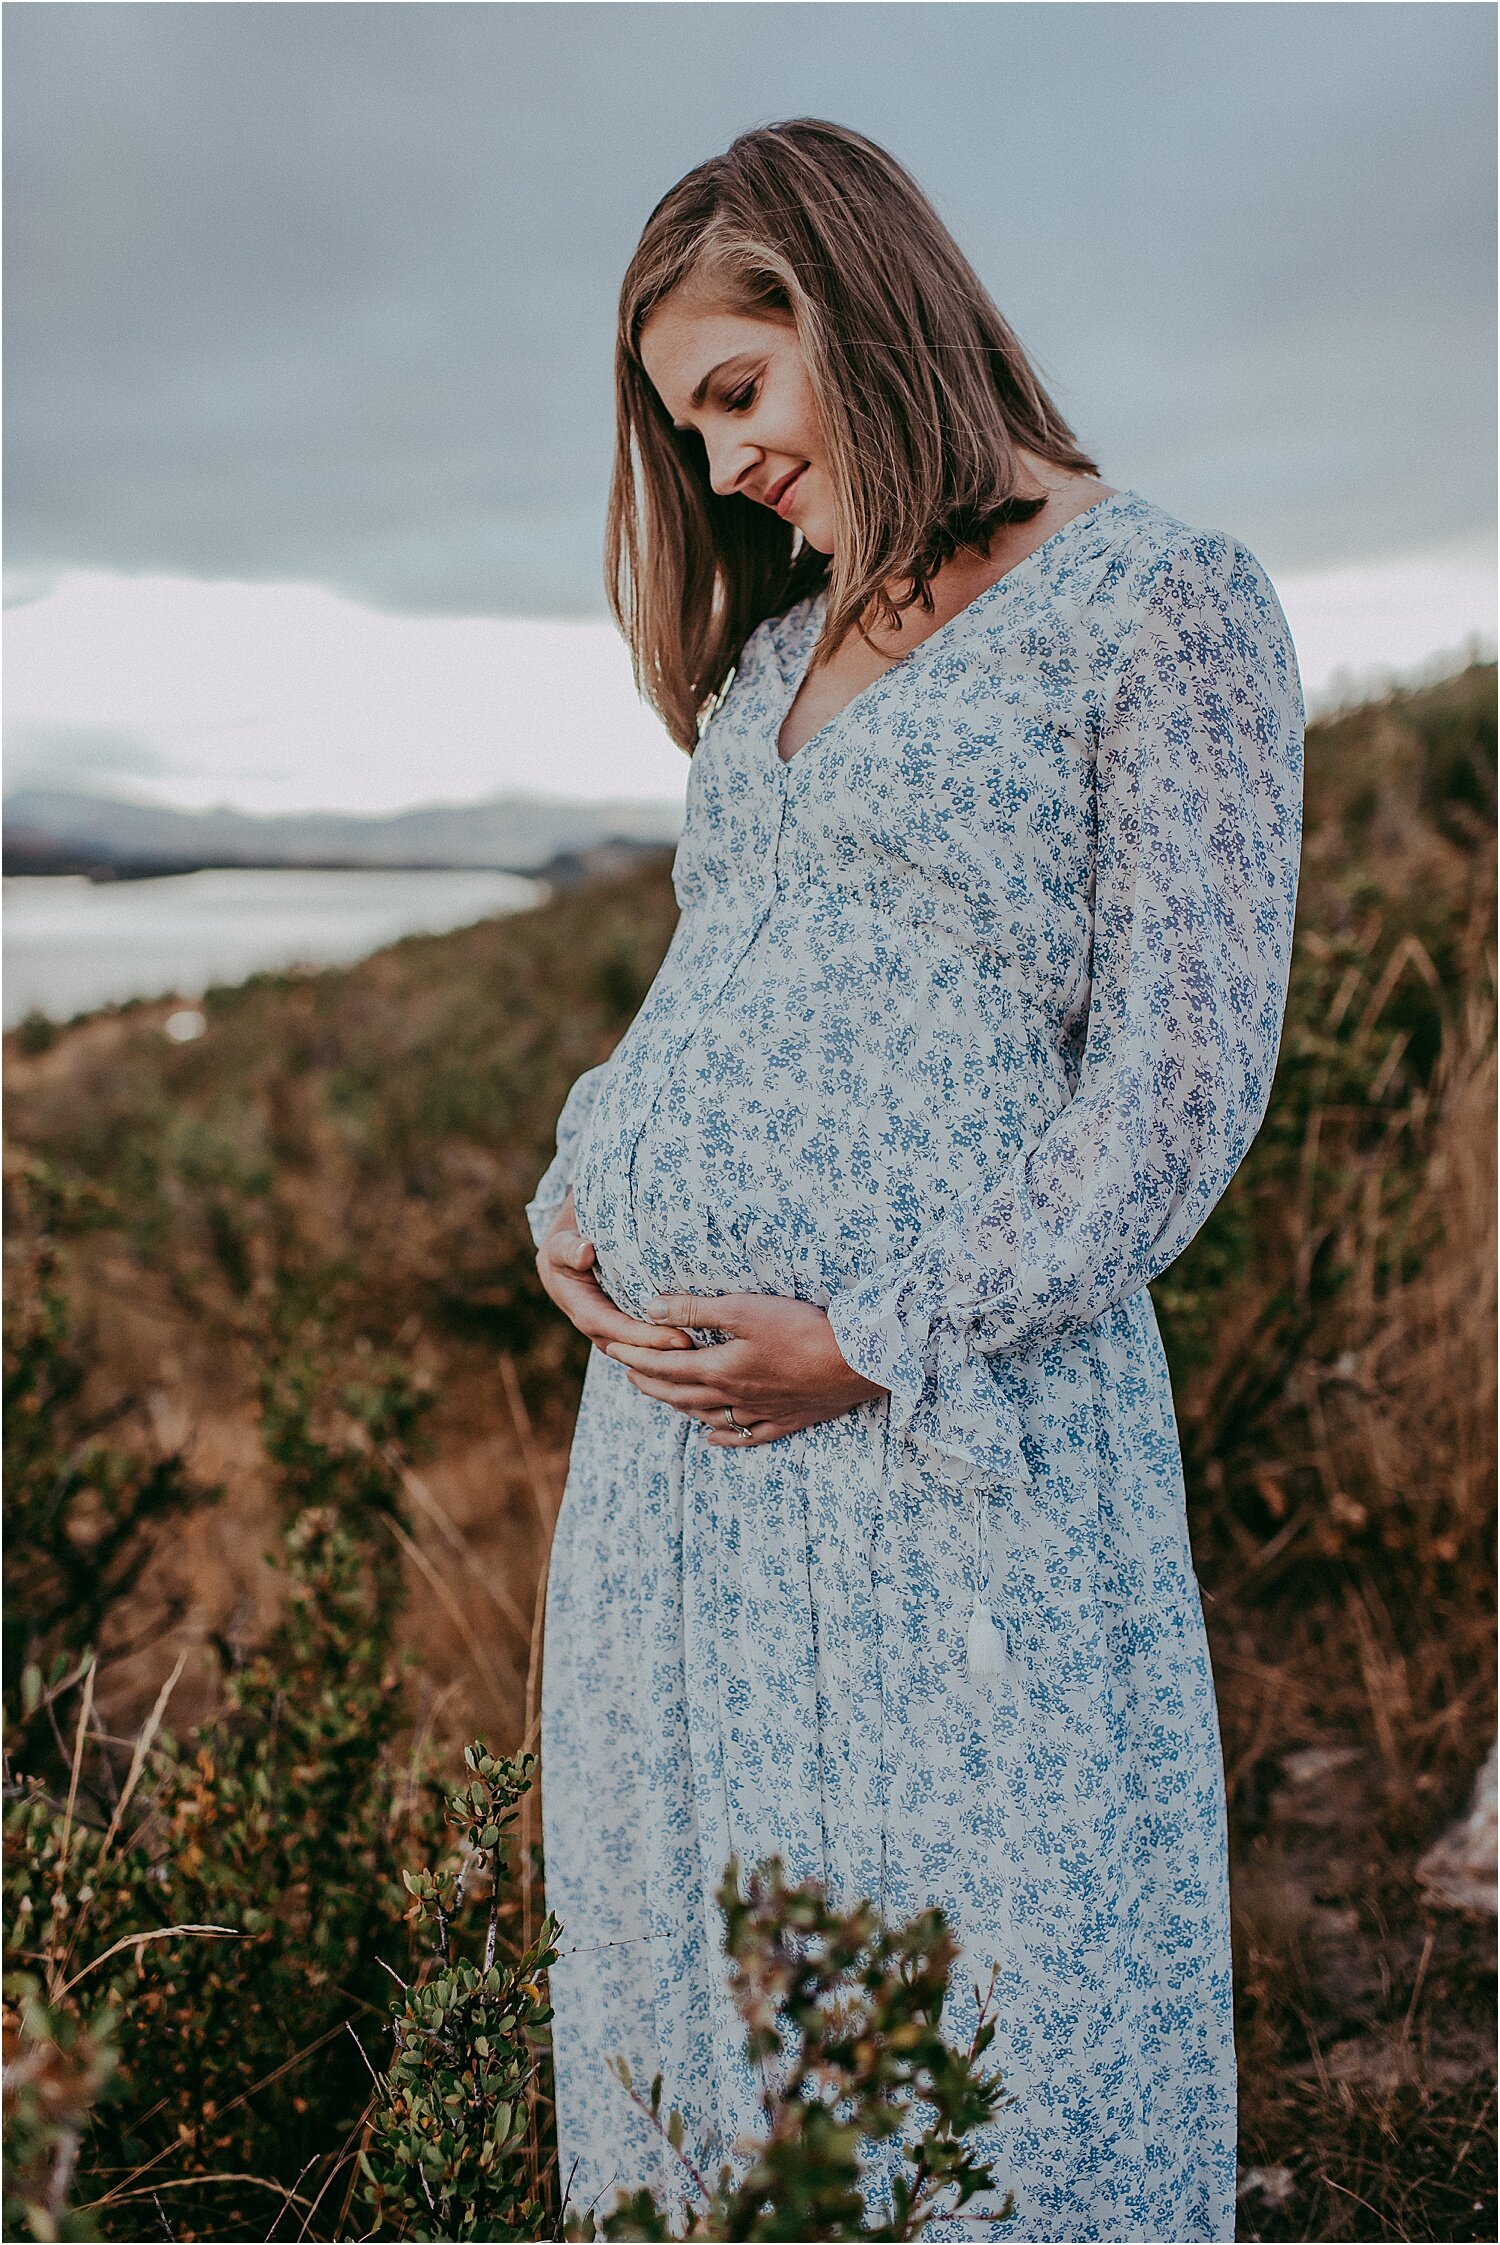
(566, 1245)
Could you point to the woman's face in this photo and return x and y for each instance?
(742, 383)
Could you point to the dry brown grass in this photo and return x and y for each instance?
(1332, 1336)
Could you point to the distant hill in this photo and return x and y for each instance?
(49, 830)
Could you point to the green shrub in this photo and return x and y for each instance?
(81, 1518)
(451, 2152)
(220, 1912)
(842, 2017)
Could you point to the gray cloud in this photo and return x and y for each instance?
(326, 291)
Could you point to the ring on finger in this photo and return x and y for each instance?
(731, 1421)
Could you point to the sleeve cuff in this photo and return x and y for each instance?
(950, 1405)
(557, 1180)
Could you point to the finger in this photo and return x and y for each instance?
(760, 1431)
(566, 1245)
(720, 1313)
(574, 1289)
(585, 1304)
(657, 1341)
(706, 1367)
(704, 1401)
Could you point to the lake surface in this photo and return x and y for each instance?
(72, 944)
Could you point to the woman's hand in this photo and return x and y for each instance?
(565, 1265)
(779, 1370)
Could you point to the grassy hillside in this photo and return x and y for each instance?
(364, 1140)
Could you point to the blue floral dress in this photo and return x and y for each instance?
(970, 1014)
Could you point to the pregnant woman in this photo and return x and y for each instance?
(873, 1553)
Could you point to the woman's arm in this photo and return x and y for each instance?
(1199, 820)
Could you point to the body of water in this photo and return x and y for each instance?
(72, 944)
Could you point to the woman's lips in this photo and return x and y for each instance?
(781, 492)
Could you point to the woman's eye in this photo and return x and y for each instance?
(741, 398)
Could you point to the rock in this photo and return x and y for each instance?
(1312, 1764)
(1275, 2185)
(1458, 1871)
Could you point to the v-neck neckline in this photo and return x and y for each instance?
(904, 662)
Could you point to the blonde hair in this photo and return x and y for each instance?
(924, 396)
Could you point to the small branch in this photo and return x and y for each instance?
(492, 1930)
(359, 2046)
(676, 2149)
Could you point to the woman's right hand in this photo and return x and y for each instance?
(565, 1265)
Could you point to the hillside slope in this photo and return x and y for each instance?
(367, 1137)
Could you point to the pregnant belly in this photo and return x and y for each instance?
(815, 1122)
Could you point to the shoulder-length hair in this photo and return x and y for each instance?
(924, 396)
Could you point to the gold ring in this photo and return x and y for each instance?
(731, 1421)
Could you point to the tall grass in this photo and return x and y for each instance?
(366, 1138)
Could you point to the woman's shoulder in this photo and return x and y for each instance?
(1158, 561)
(1179, 596)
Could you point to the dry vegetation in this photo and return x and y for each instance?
(366, 1138)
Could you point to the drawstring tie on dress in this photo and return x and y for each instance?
(989, 1656)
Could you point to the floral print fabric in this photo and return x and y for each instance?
(970, 1014)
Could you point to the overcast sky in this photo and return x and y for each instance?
(320, 299)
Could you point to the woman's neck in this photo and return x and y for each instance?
(966, 575)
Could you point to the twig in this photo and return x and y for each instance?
(359, 2046)
(492, 1929)
(362, 2123)
(654, 2118)
(307, 2164)
(85, 1711)
(57, 1962)
(243, 2097)
(195, 2182)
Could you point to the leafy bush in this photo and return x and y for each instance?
(81, 1518)
(274, 1826)
(447, 2157)
(842, 2018)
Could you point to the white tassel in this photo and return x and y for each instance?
(989, 1652)
(988, 1649)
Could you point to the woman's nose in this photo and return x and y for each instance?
(727, 468)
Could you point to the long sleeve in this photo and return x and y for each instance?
(1198, 799)
(557, 1180)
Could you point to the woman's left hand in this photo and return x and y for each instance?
(779, 1370)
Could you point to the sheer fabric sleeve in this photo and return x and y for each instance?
(557, 1180)
(1198, 795)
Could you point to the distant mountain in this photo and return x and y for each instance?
(48, 830)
